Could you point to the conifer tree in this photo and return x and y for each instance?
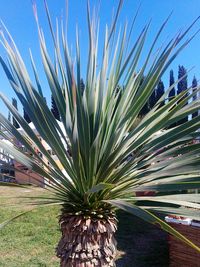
(14, 103)
(194, 88)
(182, 86)
(9, 116)
(54, 109)
(152, 99)
(145, 109)
(82, 86)
(26, 116)
(172, 93)
(159, 92)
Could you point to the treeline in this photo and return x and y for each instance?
(54, 110)
(182, 85)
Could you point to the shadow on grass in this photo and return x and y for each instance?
(140, 244)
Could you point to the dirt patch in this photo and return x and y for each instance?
(140, 244)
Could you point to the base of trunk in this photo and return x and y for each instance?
(87, 242)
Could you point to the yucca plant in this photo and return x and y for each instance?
(105, 161)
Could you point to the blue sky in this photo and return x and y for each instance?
(18, 17)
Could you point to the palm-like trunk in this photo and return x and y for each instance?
(87, 241)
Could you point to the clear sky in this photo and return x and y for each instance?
(18, 17)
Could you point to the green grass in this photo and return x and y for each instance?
(30, 240)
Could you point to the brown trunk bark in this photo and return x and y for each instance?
(87, 242)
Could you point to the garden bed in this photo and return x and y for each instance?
(180, 254)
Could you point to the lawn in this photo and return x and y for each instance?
(30, 240)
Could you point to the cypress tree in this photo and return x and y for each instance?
(54, 109)
(172, 93)
(152, 99)
(14, 103)
(9, 116)
(160, 90)
(145, 109)
(194, 88)
(82, 86)
(182, 86)
(26, 116)
(171, 82)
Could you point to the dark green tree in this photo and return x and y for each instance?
(172, 93)
(155, 96)
(26, 116)
(14, 103)
(182, 86)
(9, 116)
(54, 109)
(194, 89)
(145, 109)
(82, 86)
(160, 90)
(152, 99)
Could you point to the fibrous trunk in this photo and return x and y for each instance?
(87, 241)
